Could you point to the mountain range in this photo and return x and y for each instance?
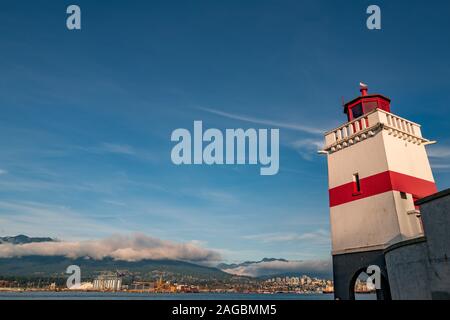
(226, 266)
(22, 239)
(270, 267)
(34, 266)
(55, 266)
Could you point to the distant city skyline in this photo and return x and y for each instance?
(87, 115)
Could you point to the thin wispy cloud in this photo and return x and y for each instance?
(210, 195)
(110, 184)
(272, 123)
(440, 166)
(107, 147)
(306, 147)
(53, 220)
(119, 149)
(3, 172)
(307, 143)
(19, 184)
(439, 151)
(115, 203)
(440, 156)
(318, 236)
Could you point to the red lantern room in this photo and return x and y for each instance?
(366, 103)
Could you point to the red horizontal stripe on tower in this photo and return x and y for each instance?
(380, 183)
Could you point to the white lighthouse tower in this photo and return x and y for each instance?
(377, 168)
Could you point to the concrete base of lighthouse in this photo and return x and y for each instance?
(348, 266)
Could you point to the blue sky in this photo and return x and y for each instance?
(86, 116)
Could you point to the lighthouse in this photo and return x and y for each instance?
(377, 168)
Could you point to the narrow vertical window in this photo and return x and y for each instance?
(356, 183)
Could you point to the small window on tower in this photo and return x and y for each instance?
(369, 106)
(356, 184)
(403, 195)
(357, 111)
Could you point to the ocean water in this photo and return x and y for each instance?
(162, 296)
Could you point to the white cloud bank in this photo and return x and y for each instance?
(127, 248)
(266, 268)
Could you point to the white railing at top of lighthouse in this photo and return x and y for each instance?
(370, 120)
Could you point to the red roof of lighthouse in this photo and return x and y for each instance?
(366, 103)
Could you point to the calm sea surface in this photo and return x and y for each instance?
(161, 296)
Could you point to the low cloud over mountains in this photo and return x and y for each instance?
(126, 248)
(138, 247)
(271, 267)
